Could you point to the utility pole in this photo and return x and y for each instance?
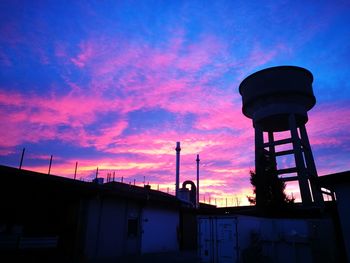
(50, 165)
(21, 162)
(75, 171)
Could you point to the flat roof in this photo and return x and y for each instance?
(334, 179)
(24, 181)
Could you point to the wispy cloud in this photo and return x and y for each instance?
(125, 85)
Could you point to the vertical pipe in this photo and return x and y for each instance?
(113, 175)
(177, 149)
(50, 165)
(197, 197)
(96, 174)
(21, 162)
(75, 171)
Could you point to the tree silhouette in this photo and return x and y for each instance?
(270, 188)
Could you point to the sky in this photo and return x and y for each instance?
(115, 84)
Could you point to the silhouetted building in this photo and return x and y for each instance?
(339, 183)
(84, 220)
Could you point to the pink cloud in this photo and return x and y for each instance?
(154, 157)
(87, 52)
(101, 140)
(6, 151)
(33, 118)
(60, 50)
(148, 76)
(145, 78)
(328, 125)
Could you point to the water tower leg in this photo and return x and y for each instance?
(299, 162)
(259, 167)
(311, 167)
(272, 150)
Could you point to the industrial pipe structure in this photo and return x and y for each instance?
(177, 184)
(197, 193)
(192, 191)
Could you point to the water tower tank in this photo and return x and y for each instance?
(270, 95)
(278, 99)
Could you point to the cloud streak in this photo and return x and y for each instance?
(117, 93)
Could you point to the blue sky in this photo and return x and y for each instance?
(115, 84)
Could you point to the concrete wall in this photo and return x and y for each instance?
(159, 230)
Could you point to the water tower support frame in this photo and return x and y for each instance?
(304, 162)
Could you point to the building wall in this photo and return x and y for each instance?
(343, 201)
(132, 229)
(106, 229)
(188, 228)
(112, 229)
(90, 228)
(159, 230)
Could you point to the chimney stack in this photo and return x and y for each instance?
(178, 149)
(197, 201)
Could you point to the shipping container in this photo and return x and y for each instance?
(234, 239)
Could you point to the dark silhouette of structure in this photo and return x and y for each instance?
(177, 183)
(188, 194)
(339, 183)
(197, 161)
(277, 99)
(55, 217)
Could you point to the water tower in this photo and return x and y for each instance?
(278, 99)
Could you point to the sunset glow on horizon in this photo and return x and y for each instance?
(115, 84)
